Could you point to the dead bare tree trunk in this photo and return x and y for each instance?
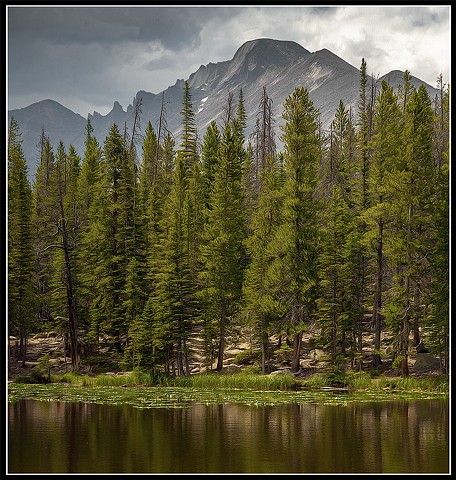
(74, 347)
(297, 343)
(376, 315)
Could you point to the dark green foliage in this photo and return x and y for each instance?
(337, 270)
(175, 306)
(438, 324)
(344, 233)
(262, 309)
(296, 241)
(222, 251)
(248, 357)
(22, 299)
(412, 192)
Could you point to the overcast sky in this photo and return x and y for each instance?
(88, 57)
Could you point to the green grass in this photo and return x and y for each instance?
(249, 381)
(350, 380)
(240, 380)
(436, 384)
(184, 397)
(129, 379)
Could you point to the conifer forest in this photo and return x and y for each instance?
(145, 241)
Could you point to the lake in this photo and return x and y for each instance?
(378, 437)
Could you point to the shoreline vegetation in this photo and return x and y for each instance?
(143, 390)
(47, 376)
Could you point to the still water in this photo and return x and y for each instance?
(386, 437)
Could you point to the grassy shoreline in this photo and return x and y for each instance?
(140, 390)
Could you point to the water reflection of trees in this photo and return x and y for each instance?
(365, 437)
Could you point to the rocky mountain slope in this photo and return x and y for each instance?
(279, 66)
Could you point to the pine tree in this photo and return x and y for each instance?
(360, 195)
(261, 308)
(22, 301)
(337, 304)
(175, 310)
(191, 179)
(45, 222)
(262, 138)
(412, 190)
(67, 170)
(209, 156)
(112, 236)
(89, 194)
(440, 291)
(386, 149)
(151, 343)
(188, 145)
(222, 247)
(296, 242)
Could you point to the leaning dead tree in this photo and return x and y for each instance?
(74, 347)
(65, 244)
(135, 131)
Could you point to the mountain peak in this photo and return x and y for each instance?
(117, 107)
(277, 65)
(270, 50)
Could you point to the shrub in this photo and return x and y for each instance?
(283, 354)
(247, 357)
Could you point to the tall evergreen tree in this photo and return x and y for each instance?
(151, 342)
(88, 197)
(175, 299)
(263, 140)
(386, 149)
(112, 233)
(67, 170)
(222, 246)
(191, 178)
(297, 239)
(261, 308)
(45, 221)
(360, 196)
(209, 156)
(413, 194)
(22, 301)
(337, 305)
(188, 145)
(440, 292)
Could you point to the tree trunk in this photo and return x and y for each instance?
(297, 342)
(417, 341)
(221, 347)
(180, 362)
(376, 315)
(220, 353)
(405, 332)
(334, 339)
(187, 364)
(74, 348)
(264, 353)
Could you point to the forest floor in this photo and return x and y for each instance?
(312, 360)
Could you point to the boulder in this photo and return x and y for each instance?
(425, 362)
(231, 369)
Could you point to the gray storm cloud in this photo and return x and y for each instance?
(88, 57)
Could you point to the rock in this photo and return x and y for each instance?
(317, 355)
(425, 362)
(231, 369)
(282, 371)
(232, 352)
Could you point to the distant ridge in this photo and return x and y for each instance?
(278, 65)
